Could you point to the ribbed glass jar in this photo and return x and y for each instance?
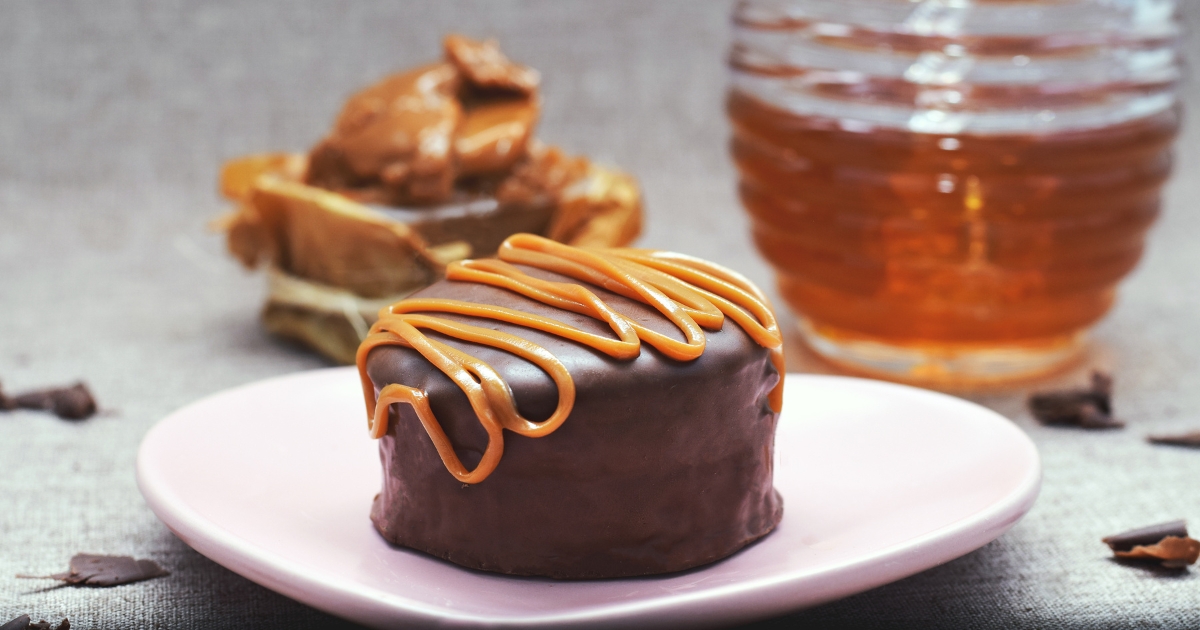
(950, 191)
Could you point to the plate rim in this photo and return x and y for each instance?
(379, 608)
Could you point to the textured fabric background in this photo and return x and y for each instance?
(114, 117)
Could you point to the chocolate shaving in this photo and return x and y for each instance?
(22, 623)
(1167, 543)
(1183, 439)
(96, 570)
(1088, 408)
(69, 403)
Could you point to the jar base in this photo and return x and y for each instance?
(944, 364)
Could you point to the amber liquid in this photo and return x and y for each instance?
(919, 239)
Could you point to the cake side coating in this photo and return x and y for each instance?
(661, 465)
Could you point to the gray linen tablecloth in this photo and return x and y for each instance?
(114, 117)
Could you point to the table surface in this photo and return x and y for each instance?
(114, 117)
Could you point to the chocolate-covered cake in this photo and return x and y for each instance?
(576, 413)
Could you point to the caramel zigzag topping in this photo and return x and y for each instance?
(693, 294)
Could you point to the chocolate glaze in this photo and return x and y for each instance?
(661, 466)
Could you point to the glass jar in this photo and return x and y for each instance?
(949, 191)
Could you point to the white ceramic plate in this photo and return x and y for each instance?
(274, 481)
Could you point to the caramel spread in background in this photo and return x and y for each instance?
(692, 294)
(407, 139)
(428, 166)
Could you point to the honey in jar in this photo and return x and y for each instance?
(953, 196)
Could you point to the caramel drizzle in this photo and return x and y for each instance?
(693, 294)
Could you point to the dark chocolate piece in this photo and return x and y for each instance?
(69, 403)
(20, 623)
(1167, 543)
(97, 570)
(1191, 439)
(661, 466)
(1088, 408)
(1172, 552)
(23, 623)
(1146, 535)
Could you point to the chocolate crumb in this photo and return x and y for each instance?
(97, 570)
(1168, 543)
(1088, 408)
(69, 403)
(1182, 439)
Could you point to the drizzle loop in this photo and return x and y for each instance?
(693, 294)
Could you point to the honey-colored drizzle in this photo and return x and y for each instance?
(693, 294)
